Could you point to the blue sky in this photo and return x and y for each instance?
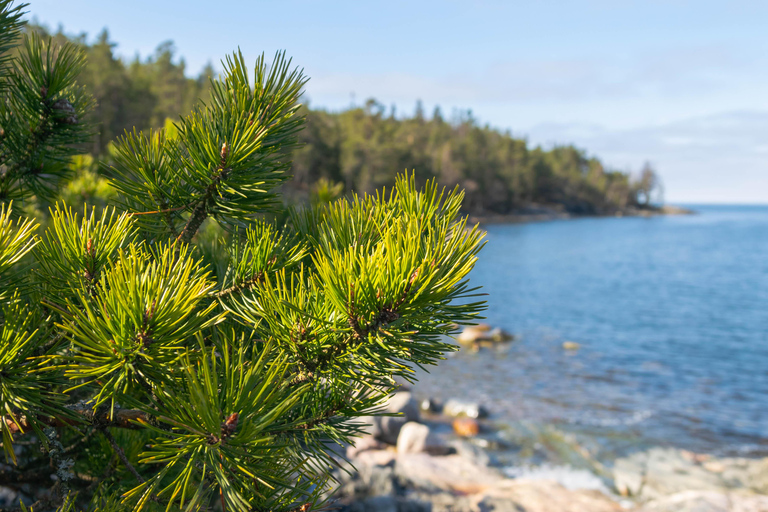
(682, 84)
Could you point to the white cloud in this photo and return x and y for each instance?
(716, 158)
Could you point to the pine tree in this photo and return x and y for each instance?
(146, 365)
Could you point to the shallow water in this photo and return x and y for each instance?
(671, 314)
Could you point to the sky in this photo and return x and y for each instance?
(680, 84)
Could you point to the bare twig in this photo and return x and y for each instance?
(121, 454)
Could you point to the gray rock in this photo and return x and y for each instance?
(457, 408)
(387, 428)
(661, 472)
(471, 452)
(417, 438)
(404, 403)
(708, 501)
(431, 405)
(379, 504)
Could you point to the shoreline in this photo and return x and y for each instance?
(446, 460)
(544, 213)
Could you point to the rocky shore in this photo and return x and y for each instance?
(538, 213)
(441, 457)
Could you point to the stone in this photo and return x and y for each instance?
(417, 438)
(466, 427)
(708, 501)
(542, 496)
(450, 473)
(455, 408)
(380, 504)
(571, 345)
(661, 472)
(471, 452)
(387, 428)
(362, 444)
(475, 334)
(431, 405)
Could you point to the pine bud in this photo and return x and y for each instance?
(228, 427)
(65, 111)
(224, 152)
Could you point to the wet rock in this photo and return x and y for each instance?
(456, 408)
(466, 427)
(431, 405)
(417, 438)
(475, 334)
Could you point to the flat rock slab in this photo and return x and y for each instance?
(451, 473)
(542, 496)
(708, 501)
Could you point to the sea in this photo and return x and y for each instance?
(671, 317)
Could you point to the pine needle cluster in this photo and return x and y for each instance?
(146, 367)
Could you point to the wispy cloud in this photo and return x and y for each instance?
(721, 157)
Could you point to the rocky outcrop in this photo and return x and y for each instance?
(663, 472)
(419, 438)
(389, 481)
(387, 428)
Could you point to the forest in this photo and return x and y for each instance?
(361, 148)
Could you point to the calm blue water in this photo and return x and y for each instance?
(671, 314)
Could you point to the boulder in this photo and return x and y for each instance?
(387, 428)
(475, 334)
(431, 405)
(456, 408)
(466, 427)
(471, 452)
(417, 438)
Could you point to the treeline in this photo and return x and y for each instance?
(363, 148)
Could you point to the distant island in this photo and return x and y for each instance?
(362, 148)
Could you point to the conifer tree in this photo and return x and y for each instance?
(144, 366)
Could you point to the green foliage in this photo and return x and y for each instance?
(183, 350)
(362, 148)
(41, 116)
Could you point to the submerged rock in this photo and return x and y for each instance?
(456, 408)
(475, 334)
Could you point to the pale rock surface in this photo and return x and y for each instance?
(417, 438)
(708, 501)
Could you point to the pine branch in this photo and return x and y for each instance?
(122, 418)
(243, 285)
(200, 213)
(121, 454)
